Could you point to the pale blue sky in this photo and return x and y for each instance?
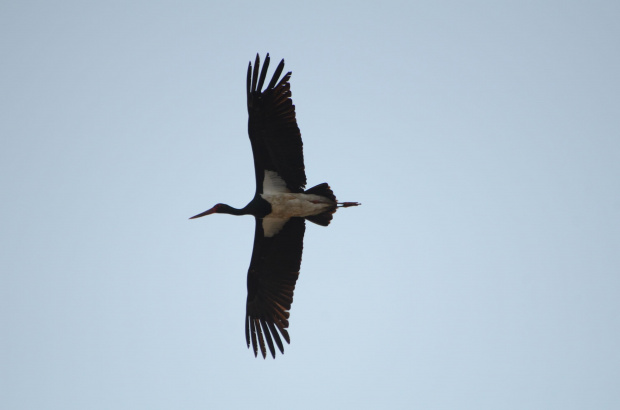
(481, 272)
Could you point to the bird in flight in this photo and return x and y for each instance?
(280, 207)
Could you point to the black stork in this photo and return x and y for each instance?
(280, 207)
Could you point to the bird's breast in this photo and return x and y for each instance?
(289, 205)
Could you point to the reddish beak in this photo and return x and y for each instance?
(208, 212)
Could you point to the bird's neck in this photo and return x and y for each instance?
(227, 209)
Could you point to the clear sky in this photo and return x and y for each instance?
(481, 272)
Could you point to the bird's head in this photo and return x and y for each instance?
(217, 209)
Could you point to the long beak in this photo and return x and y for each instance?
(208, 212)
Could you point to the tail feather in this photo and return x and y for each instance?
(325, 218)
(322, 190)
(322, 219)
(325, 191)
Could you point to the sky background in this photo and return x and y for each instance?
(481, 272)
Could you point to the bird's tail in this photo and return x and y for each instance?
(324, 190)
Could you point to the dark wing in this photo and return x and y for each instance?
(274, 269)
(274, 134)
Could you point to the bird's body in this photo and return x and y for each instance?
(285, 204)
(297, 205)
(280, 206)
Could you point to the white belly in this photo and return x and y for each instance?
(288, 205)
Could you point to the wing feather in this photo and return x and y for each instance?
(268, 338)
(263, 73)
(255, 74)
(276, 74)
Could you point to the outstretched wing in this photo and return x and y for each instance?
(273, 271)
(274, 134)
